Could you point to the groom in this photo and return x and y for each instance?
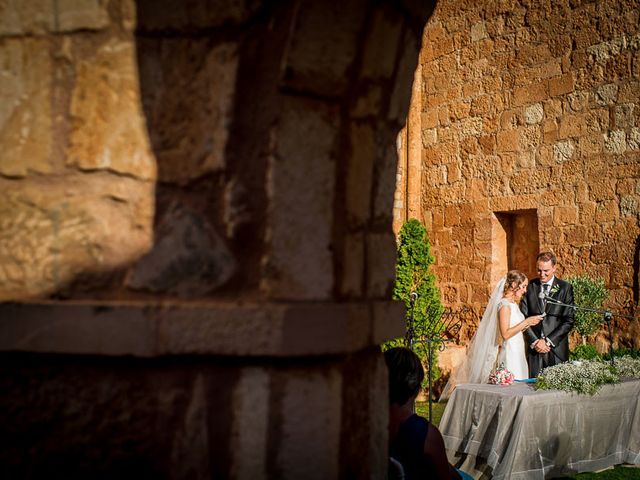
(547, 343)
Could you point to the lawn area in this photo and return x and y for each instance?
(617, 473)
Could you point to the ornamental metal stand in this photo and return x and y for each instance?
(607, 316)
(441, 327)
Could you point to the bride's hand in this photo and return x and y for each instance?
(534, 320)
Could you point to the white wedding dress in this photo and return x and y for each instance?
(485, 352)
(512, 353)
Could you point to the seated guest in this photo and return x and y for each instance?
(413, 441)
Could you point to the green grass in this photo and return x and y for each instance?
(618, 473)
(422, 409)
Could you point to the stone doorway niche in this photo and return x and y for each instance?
(515, 242)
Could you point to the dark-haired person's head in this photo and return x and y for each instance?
(405, 374)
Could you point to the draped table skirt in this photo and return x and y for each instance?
(515, 432)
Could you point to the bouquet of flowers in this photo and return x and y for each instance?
(501, 376)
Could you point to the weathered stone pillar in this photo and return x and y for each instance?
(196, 207)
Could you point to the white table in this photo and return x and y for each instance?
(515, 432)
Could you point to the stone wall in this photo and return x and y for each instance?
(77, 172)
(195, 210)
(530, 112)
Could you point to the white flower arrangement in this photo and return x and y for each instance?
(587, 376)
(501, 376)
(628, 366)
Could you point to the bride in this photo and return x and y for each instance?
(499, 336)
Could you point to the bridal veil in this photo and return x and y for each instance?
(483, 349)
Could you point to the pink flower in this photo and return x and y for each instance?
(501, 376)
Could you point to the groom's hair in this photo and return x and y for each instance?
(547, 257)
(405, 374)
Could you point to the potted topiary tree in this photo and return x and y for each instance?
(413, 277)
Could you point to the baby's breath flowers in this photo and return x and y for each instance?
(587, 376)
(628, 367)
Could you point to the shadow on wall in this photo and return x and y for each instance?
(207, 80)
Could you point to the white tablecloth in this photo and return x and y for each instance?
(515, 432)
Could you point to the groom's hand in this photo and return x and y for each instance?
(541, 346)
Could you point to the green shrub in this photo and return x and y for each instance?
(590, 293)
(412, 275)
(585, 352)
(622, 352)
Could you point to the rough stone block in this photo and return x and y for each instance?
(309, 445)
(429, 137)
(382, 44)
(437, 175)
(25, 108)
(381, 261)
(508, 140)
(109, 131)
(550, 132)
(601, 187)
(483, 231)
(615, 141)
(451, 216)
(249, 430)
(169, 15)
(189, 107)
(483, 105)
(471, 89)
(386, 184)
(563, 151)
(478, 31)
(633, 140)
(78, 329)
(578, 101)
(429, 119)
(532, 93)
(530, 138)
(477, 190)
(573, 125)
(606, 94)
(19, 17)
(360, 173)
(534, 114)
(630, 205)
(459, 110)
(607, 211)
(488, 144)
(591, 144)
(602, 52)
(561, 85)
(453, 173)
(73, 15)
(298, 263)
(188, 259)
(405, 73)
(368, 103)
(565, 215)
(624, 117)
(323, 47)
(352, 281)
(56, 234)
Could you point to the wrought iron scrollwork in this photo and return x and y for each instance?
(442, 326)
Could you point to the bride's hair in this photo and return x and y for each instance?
(514, 279)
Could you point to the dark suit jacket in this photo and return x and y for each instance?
(555, 326)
